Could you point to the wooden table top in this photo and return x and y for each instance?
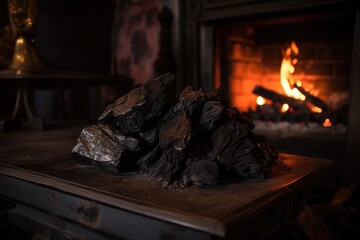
(43, 158)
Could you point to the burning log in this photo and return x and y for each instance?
(313, 99)
(279, 98)
(185, 145)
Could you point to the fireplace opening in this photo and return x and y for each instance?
(312, 53)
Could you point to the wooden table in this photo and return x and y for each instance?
(58, 197)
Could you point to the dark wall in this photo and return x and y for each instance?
(5, 95)
(75, 35)
(3, 13)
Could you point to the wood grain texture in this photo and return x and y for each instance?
(42, 159)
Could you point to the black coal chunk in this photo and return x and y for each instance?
(176, 133)
(200, 172)
(169, 166)
(180, 142)
(99, 146)
(134, 111)
(212, 114)
(235, 149)
(131, 142)
(174, 139)
(190, 104)
(146, 162)
(150, 136)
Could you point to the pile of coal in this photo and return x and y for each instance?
(195, 138)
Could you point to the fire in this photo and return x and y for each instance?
(287, 70)
(284, 107)
(294, 88)
(260, 101)
(327, 123)
(316, 109)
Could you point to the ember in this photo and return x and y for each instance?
(327, 123)
(195, 139)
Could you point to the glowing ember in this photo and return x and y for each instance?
(287, 70)
(316, 109)
(284, 107)
(327, 123)
(260, 101)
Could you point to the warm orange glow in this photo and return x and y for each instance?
(315, 93)
(316, 109)
(260, 101)
(327, 123)
(287, 70)
(284, 107)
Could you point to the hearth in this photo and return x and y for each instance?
(288, 68)
(240, 45)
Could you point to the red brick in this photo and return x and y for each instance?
(271, 54)
(243, 86)
(242, 69)
(243, 102)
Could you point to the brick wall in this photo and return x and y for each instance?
(322, 66)
(246, 71)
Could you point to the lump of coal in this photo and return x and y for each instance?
(151, 136)
(108, 149)
(212, 114)
(200, 172)
(174, 139)
(175, 133)
(149, 159)
(169, 166)
(189, 104)
(234, 149)
(180, 143)
(131, 142)
(96, 145)
(216, 95)
(133, 112)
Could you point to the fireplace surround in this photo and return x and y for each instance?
(325, 27)
(254, 52)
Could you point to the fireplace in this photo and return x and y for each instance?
(319, 48)
(240, 45)
(263, 61)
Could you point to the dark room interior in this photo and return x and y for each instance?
(179, 119)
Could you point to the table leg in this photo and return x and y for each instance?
(23, 109)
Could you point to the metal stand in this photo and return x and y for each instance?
(23, 113)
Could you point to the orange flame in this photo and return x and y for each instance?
(260, 101)
(284, 107)
(316, 109)
(287, 70)
(327, 123)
